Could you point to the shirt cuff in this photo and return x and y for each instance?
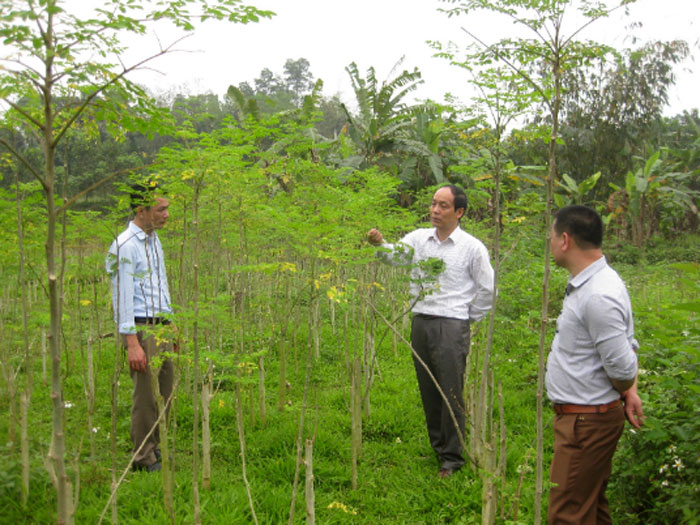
(127, 328)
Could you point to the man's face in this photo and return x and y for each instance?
(442, 210)
(156, 216)
(555, 245)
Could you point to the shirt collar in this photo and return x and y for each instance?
(588, 272)
(137, 232)
(451, 237)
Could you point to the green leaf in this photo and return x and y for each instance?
(570, 184)
(689, 307)
(650, 165)
(690, 267)
(589, 183)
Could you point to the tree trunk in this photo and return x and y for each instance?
(166, 471)
(262, 409)
(206, 397)
(551, 177)
(309, 486)
(26, 395)
(195, 366)
(356, 416)
(241, 439)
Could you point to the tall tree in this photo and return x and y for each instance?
(298, 78)
(62, 67)
(543, 61)
(610, 110)
(267, 83)
(202, 111)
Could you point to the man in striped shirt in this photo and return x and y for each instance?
(141, 298)
(443, 309)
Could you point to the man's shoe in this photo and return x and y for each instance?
(155, 467)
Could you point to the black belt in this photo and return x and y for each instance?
(151, 320)
(429, 317)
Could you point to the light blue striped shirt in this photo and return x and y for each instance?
(139, 284)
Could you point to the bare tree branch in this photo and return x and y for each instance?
(24, 161)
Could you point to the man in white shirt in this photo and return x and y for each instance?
(591, 371)
(442, 313)
(140, 297)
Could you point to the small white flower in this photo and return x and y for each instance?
(672, 448)
(663, 468)
(664, 483)
(678, 464)
(67, 404)
(633, 431)
(398, 440)
(95, 430)
(523, 468)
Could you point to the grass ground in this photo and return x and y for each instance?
(397, 482)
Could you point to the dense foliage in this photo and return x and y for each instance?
(280, 302)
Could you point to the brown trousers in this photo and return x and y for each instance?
(584, 445)
(144, 410)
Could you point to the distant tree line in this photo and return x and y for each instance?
(612, 124)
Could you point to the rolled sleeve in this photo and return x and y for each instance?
(607, 327)
(121, 268)
(483, 275)
(399, 254)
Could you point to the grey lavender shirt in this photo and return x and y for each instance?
(463, 290)
(594, 339)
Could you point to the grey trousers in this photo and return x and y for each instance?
(443, 344)
(144, 410)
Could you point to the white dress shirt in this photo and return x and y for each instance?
(136, 264)
(464, 290)
(594, 339)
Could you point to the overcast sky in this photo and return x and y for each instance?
(332, 33)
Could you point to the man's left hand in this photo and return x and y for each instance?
(633, 408)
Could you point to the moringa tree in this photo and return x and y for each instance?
(63, 63)
(543, 60)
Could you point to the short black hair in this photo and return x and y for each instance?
(582, 223)
(460, 197)
(143, 193)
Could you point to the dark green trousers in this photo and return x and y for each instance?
(144, 410)
(442, 344)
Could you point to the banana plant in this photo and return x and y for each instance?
(574, 193)
(382, 117)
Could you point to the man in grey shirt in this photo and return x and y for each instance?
(442, 313)
(591, 371)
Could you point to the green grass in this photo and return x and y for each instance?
(397, 480)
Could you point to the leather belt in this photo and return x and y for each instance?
(586, 409)
(151, 320)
